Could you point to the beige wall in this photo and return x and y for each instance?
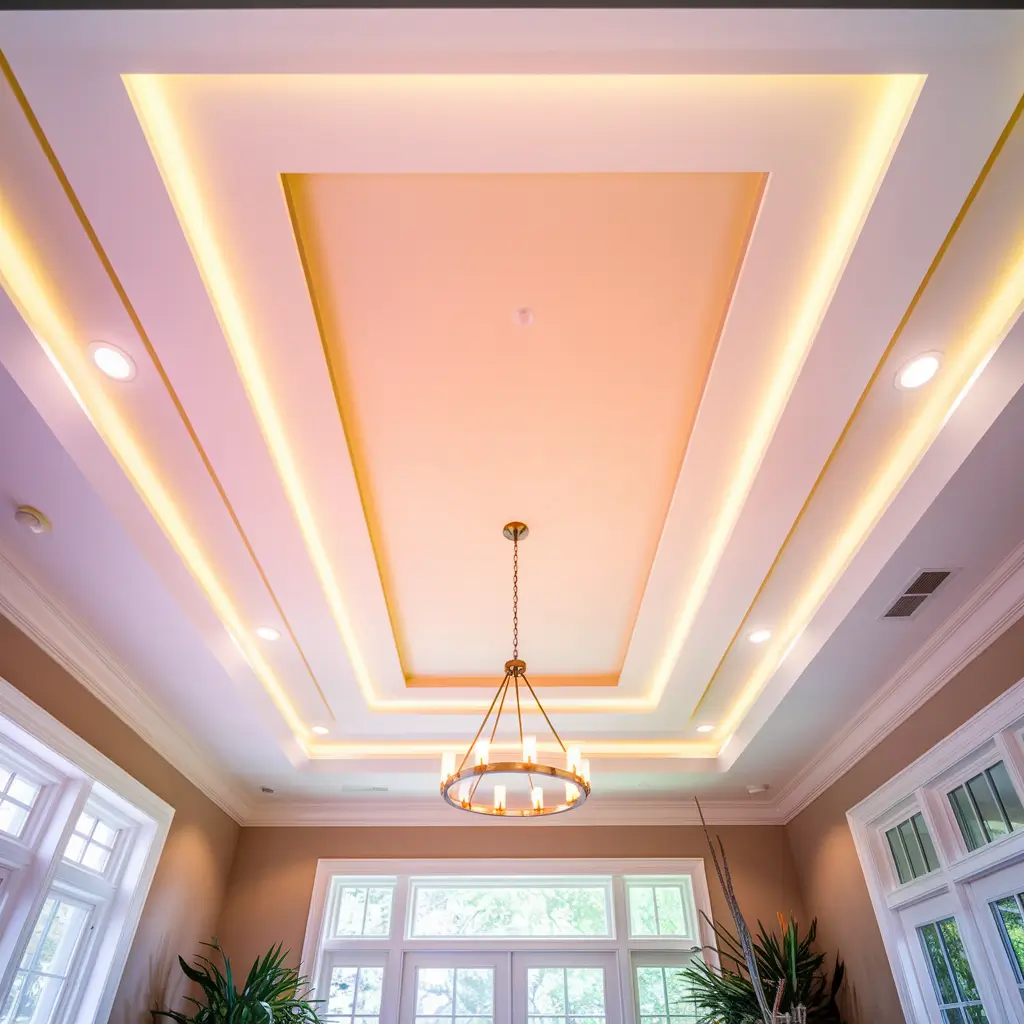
(272, 880)
(831, 879)
(185, 899)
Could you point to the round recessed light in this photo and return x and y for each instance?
(524, 316)
(759, 787)
(320, 730)
(110, 360)
(759, 636)
(918, 371)
(32, 518)
(705, 728)
(268, 633)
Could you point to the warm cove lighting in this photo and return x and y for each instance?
(759, 636)
(918, 372)
(112, 362)
(268, 633)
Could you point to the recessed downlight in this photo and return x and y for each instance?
(112, 361)
(524, 316)
(320, 730)
(268, 633)
(705, 728)
(759, 636)
(918, 371)
(32, 519)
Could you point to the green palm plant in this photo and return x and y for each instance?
(272, 993)
(726, 995)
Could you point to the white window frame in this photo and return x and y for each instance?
(993, 734)
(74, 775)
(320, 953)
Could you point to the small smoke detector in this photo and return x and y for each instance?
(924, 585)
(759, 787)
(524, 316)
(32, 518)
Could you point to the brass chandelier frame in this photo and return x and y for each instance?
(468, 775)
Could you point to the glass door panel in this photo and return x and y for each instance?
(998, 904)
(566, 988)
(455, 988)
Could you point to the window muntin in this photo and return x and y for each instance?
(986, 807)
(360, 908)
(354, 994)
(660, 907)
(911, 848)
(454, 995)
(565, 995)
(92, 843)
(47, 962)
(662, 996)
(951, 974)
(516, 908)
(18, 796)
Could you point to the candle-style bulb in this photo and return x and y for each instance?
(530, 749)
(499, 798)
(585, 770)
(447, 765)
(573, 757)
(482, 751)
(571, 793)
(464, 793)
(537, 796)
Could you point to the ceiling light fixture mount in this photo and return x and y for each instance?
(476, 764)
(759, 636)
(268, 633)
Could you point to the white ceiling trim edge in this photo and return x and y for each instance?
(81, 654)
(420, 813)
(993, 607)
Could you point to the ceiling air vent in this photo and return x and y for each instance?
(926, 583)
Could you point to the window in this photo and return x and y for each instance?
(17, 798)
(353, 994)
(559, 908)
(506, 942)
(79, 841)
(92, 843)
(662, 996)
(912, 850)
(987, 807)
(42, 975)
(1009, 918)
(955, 987)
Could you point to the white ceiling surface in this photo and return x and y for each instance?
(109, 564)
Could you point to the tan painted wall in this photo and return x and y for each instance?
(831, 879)
(185, 899)
(272, 880)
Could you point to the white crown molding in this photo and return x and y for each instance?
(426, 812)
(52, 628)
(991, 609)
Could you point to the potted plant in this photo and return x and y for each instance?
(272, 992)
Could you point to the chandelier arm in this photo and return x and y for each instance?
(497, 694)
(554, 731)
(494, 731)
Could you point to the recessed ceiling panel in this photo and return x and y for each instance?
(519, 346)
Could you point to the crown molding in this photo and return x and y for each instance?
(991, 609)
(611, 811)
(52, 628)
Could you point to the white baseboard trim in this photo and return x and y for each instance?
(51, 627)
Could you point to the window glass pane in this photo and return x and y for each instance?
(474, 991)
(958, 959)
(1007, 794)
(86, 823)
(95, 858)
(545, 991)
(945, 990)
(913, 847)
(954, 1016)
(924, 836)
(525, 910)
(12, 818)
(342, 993)
(371, 982)
(970, 828)
(454, 995)
(435, 990)
(642, 918)
(361, 909)
(565, 995)
(988, 807)
(104, 834)
(17, 798)
(899, 856)
(1011, 927)
(671, 912)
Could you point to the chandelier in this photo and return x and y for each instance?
(550, 788)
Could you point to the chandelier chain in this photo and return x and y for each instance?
(515, 595)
